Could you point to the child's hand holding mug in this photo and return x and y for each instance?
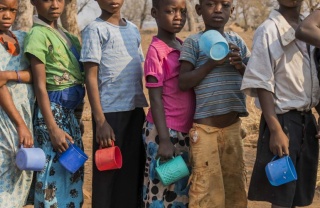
(166, 149)
(104, 134)
(59, 139)
(235, 58)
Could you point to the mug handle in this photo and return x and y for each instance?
(112, 144)
(21, 146)
(158, 160)
(276, 157)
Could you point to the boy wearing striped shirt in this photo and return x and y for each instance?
(218, 173)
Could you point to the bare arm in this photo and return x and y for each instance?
(6, 102)
(58, 136)
(318, 111)
(104, 132)
(25, 76)
(190, 77)
(166, 148)
(279, 142)
(309, 29)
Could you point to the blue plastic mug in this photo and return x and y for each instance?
(172, 170)
(281, 171)
(30, 159)
(73, 158)
(214, 45)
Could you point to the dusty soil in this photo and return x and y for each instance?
(250, 123)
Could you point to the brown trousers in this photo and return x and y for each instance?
(218, 170)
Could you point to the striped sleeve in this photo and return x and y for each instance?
(190, 51)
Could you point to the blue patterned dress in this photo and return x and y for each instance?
(14, 183)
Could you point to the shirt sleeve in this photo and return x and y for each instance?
(91, 46)
(190, 50)
(37, 44)
(260, 69)
(153, 67)
(141, 53)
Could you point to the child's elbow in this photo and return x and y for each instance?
(182, 85)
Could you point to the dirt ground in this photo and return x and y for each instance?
(250, 123)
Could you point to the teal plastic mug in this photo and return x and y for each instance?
(172, 170)
(281, 171)
(214, 45)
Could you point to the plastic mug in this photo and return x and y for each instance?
(73, 158)
(108, 158)
(30, 159)
(172, 170)
(214, 45)
(281, 171)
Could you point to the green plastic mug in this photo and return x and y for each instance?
(172, 170)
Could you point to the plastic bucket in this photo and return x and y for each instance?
(108, 158)
(73, 158)
(214, 45)
(30, 159)
(281, 171)
(172, 170)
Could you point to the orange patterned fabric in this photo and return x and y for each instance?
(11, 47)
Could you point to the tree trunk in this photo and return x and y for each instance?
(24, 17)
(69, 17)
(190, 17)
(143, 15)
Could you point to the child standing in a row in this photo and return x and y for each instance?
(282, 74)
(169, 119)
(112, 58)
(218, 172)
(58, 84)
(16, 102)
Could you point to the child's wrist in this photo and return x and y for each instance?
(18, 76)
(164, 138)
(99, 120)
(52, 128)
(19, 123)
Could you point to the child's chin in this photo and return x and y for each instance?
(177, 30)
(5, 27)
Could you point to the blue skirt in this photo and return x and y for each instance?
(54, 185)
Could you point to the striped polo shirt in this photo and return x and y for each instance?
(118, 52)
(219, 92)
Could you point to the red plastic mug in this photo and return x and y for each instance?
(108, 158)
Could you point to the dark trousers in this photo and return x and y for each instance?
(121, 188)
(300, 127)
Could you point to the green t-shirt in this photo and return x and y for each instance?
(62, 67)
